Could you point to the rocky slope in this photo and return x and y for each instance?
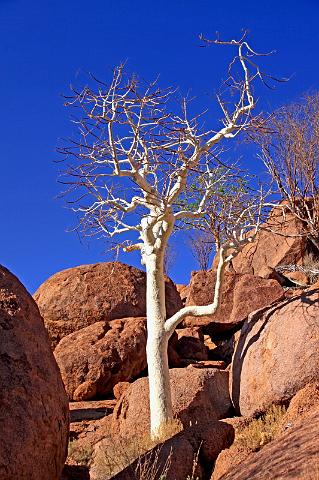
(257, 354)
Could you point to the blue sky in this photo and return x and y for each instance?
(46, 45)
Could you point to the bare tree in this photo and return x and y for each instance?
(201, 245)
(290, 151)
(131, 166)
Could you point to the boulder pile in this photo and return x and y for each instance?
(258, 353)
(78, 297)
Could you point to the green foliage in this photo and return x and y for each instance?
(227, 182)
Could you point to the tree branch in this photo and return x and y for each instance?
(202, 310)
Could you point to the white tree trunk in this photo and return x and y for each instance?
(157, 343)
(159, 330)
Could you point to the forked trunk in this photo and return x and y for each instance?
(157, 342)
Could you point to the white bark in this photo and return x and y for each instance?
(157, 343)
(155, 151)
(159, 331)
(200, 310)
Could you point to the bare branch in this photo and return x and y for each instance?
(290, 151)
(200, 311)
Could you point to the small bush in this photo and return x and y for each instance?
(262, 430)
(311, 267)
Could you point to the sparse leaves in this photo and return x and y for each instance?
(142, 167)
(137, 155)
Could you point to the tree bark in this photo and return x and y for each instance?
(157, 342)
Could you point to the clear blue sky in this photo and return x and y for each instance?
(46, 45)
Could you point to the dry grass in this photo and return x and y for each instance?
(149, 468)
(311, 265)
(195, 465)
(262, 430)
(79, 454)
(115, 454)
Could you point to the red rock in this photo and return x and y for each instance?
(293, 455)
(241, 295)
(197, 393)
(270, 250)
(84, 435)
(299, 278)
(302, 406)
(229, 460)
(183, 291)
(120, 388)
(225, 346)
(171, 460)
(34, 414)
(80, 296)
(277, 353)
(208, 438)
(94, 359)
(174, 359)
(90, 423)
(190, 344)
(234, 454)
(90, 410)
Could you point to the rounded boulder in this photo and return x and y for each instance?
(78, 297)
(198, 394)
(34, 414)
(96, 358)
(277, 353)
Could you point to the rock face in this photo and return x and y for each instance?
(298, 278)
(177, 454)
(90, 423)
(94, 359)
(277, 353)
(119, 389)
(270, 250)
(183, 291)
(34, 418)
(294, 455)
(223, 346)
(80, 296)
(197, 393)
(190, 344)
(302, 406)
(229, 459)
(171, 460)
(241, 295)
